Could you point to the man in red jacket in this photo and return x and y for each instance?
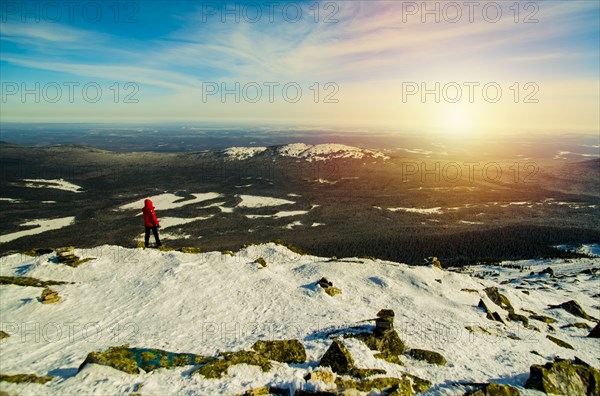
(151, 223)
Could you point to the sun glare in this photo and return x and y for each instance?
(456, 119)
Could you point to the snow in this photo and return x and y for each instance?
(211, 302)
(41, 225)
(425, 211)
(283, 213)
(171, 201)
(11, 200)
(242, 153)
(254, 201)
(59, 184)
(308, 152)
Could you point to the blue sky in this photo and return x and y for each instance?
(368, 49)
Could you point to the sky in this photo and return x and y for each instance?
(456, 68)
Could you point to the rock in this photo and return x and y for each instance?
(285, 351)
(25, 379)
(338, 358)
(216, 368)
(559, 342)
(66, 255)
(131, 360)
(261, 261)
(434, 262)
(190, 250)
(327, 285)
(495, 316)
(549, 271)
(470, 290)
(595, 333)
(388, 357)
(492, 389)
(4, 335)
(574, 308)
(262, 391)
(564, 377)
(427, 356)
(515, 317)
(418, 384)
(49, 296)
(320, 375)
(542, 318)
(389, 342)
(384, 322)
(578, 325)
(365, 373)
(402, 387)
(27, 281)
(499, 299)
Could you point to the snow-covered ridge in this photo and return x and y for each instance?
(308, 152)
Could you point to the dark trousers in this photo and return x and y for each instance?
(154, 230)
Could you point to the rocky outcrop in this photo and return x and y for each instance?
(66, 255)
(338, 358)
(499, 299)
(564, 377)
(285, 351)
(25, 379)
(428, 356)
(495, 316)
(595, 333)
(4, 335)
(542, 318)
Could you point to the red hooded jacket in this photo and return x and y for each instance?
(150, 219)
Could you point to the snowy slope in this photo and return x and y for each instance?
(214, 302)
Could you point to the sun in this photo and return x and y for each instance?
(456, 119)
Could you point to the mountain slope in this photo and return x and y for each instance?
(213, 302)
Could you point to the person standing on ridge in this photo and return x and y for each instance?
(151, 223)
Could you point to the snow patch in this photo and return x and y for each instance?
(41, 225)
(59, 184)
(254, 201)
(171, 201)
(425, 211)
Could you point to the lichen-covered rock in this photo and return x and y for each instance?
(190, 250)
(338, 358)
(66, 255)
(365, 373)
(428, 356)
(389, 343)
(261, 261)
(402, 387)
(37, 252)
(564, 377)
(542, 318)
(262, 391)
(3, 335)
(216, 368)
(495, 316)
(120, 358)
(320, 375)
(131, 360)
(499, 299)
(285, 351)
(515, 317)
(595, 333)
(49, 296)
(559, 342)
(418, 384)
(574, 308)
(389, 357)
(25, 379)
(27, 281)
(492, 389)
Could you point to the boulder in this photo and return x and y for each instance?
(559, 342)
(515, 317)
(216, 368)
(285, 351)
(384, 322)
(574, 308)
(564, 377)
(25, 379)
(338, 358)
(542, 318)
(131, 360)
(391, 386)
(595, 333)
(328, 287)
(549, 271)
(495, 316)
(66, 255)
(49, 296)
(499, 299)
(320, 375)
(388, 343)
(492, 389)
(434, 262)
(428, 356)
(3, 335)
(366, 373)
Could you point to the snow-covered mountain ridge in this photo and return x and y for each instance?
(307, 152)
(214, 302)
